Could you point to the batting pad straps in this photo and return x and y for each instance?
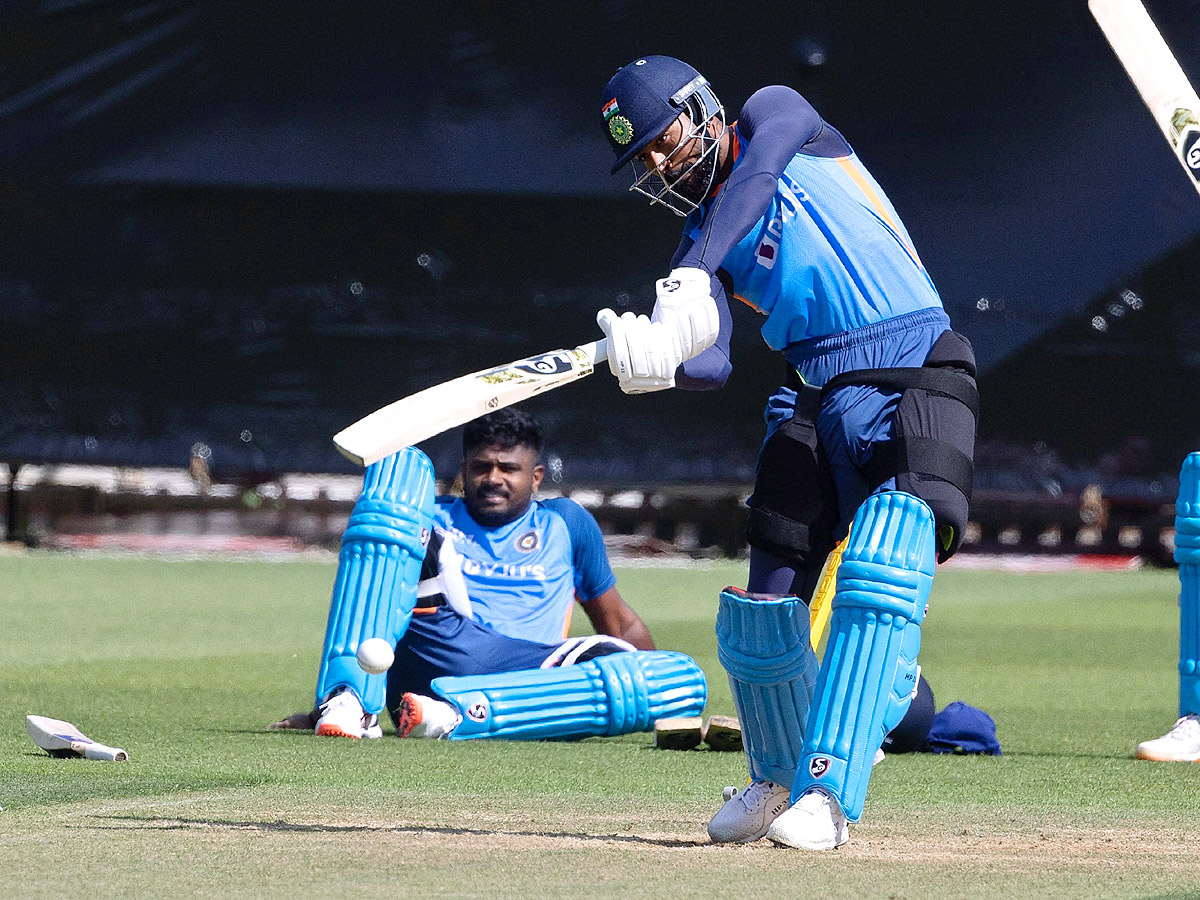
(869, 672)
(763, 644)
(379, 567)
(1187, 555)
(615, 694)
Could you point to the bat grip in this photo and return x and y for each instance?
(99, 751)
(597, 350)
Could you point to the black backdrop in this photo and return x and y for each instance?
(211, 214)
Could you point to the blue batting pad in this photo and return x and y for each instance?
(615, 694)
(1187, 554)
(763, 644)
(870, 670)
(379, 566)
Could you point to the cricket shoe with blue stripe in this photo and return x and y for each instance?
(342, 715)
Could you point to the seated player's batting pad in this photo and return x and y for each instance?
(869, 673)
(379, 566)
(763, 645)
(614, 694)
(1187, 554)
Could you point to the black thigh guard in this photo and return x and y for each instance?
(932, 453)
(793, 509)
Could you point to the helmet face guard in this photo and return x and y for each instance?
(683, 193)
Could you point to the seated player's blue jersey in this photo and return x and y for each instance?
(828, 255)
(523, 578)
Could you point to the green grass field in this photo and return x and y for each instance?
(184, 664)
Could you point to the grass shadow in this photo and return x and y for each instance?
(174, 823)
(1067, 755)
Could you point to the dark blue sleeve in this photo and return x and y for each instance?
(710, 369)
(775, 124)
(593, 574)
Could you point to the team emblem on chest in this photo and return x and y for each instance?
(528, 542)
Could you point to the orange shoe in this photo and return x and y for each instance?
(342, 715)
(424, 717)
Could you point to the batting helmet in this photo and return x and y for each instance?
(641, 101)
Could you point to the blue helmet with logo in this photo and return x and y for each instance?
(640, 102)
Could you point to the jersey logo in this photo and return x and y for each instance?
(766, 252)
(528, 542)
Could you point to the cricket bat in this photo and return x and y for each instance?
(821, 606)
(444, 406)
(59, 738)
(1156, 74)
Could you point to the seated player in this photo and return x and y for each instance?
(476, 594)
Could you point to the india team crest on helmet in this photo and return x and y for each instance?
(619, 127)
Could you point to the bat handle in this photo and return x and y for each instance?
(596, 350)
(99, 751)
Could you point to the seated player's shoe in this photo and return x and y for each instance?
(424, 717)
(723, 733)
(748, 813)
(342, 715)
(1180, 744)
(814, 822)
(678, 733)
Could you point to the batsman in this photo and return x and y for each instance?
(872, 433)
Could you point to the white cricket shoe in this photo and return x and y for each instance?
(1180, 744)
(342, 715)
(748, 813)
(814, 822)
(425, 717)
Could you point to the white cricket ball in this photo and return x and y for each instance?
(375, 655)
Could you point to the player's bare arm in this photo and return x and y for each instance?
(611, 615)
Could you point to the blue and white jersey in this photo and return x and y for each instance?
(523, 578)
(802, 233)
(828, 255)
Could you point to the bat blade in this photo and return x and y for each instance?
(59, 738)
(441, 407)
(821, 606)
(1154, 71)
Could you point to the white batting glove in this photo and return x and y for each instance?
(643, 355)
(685, 305)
